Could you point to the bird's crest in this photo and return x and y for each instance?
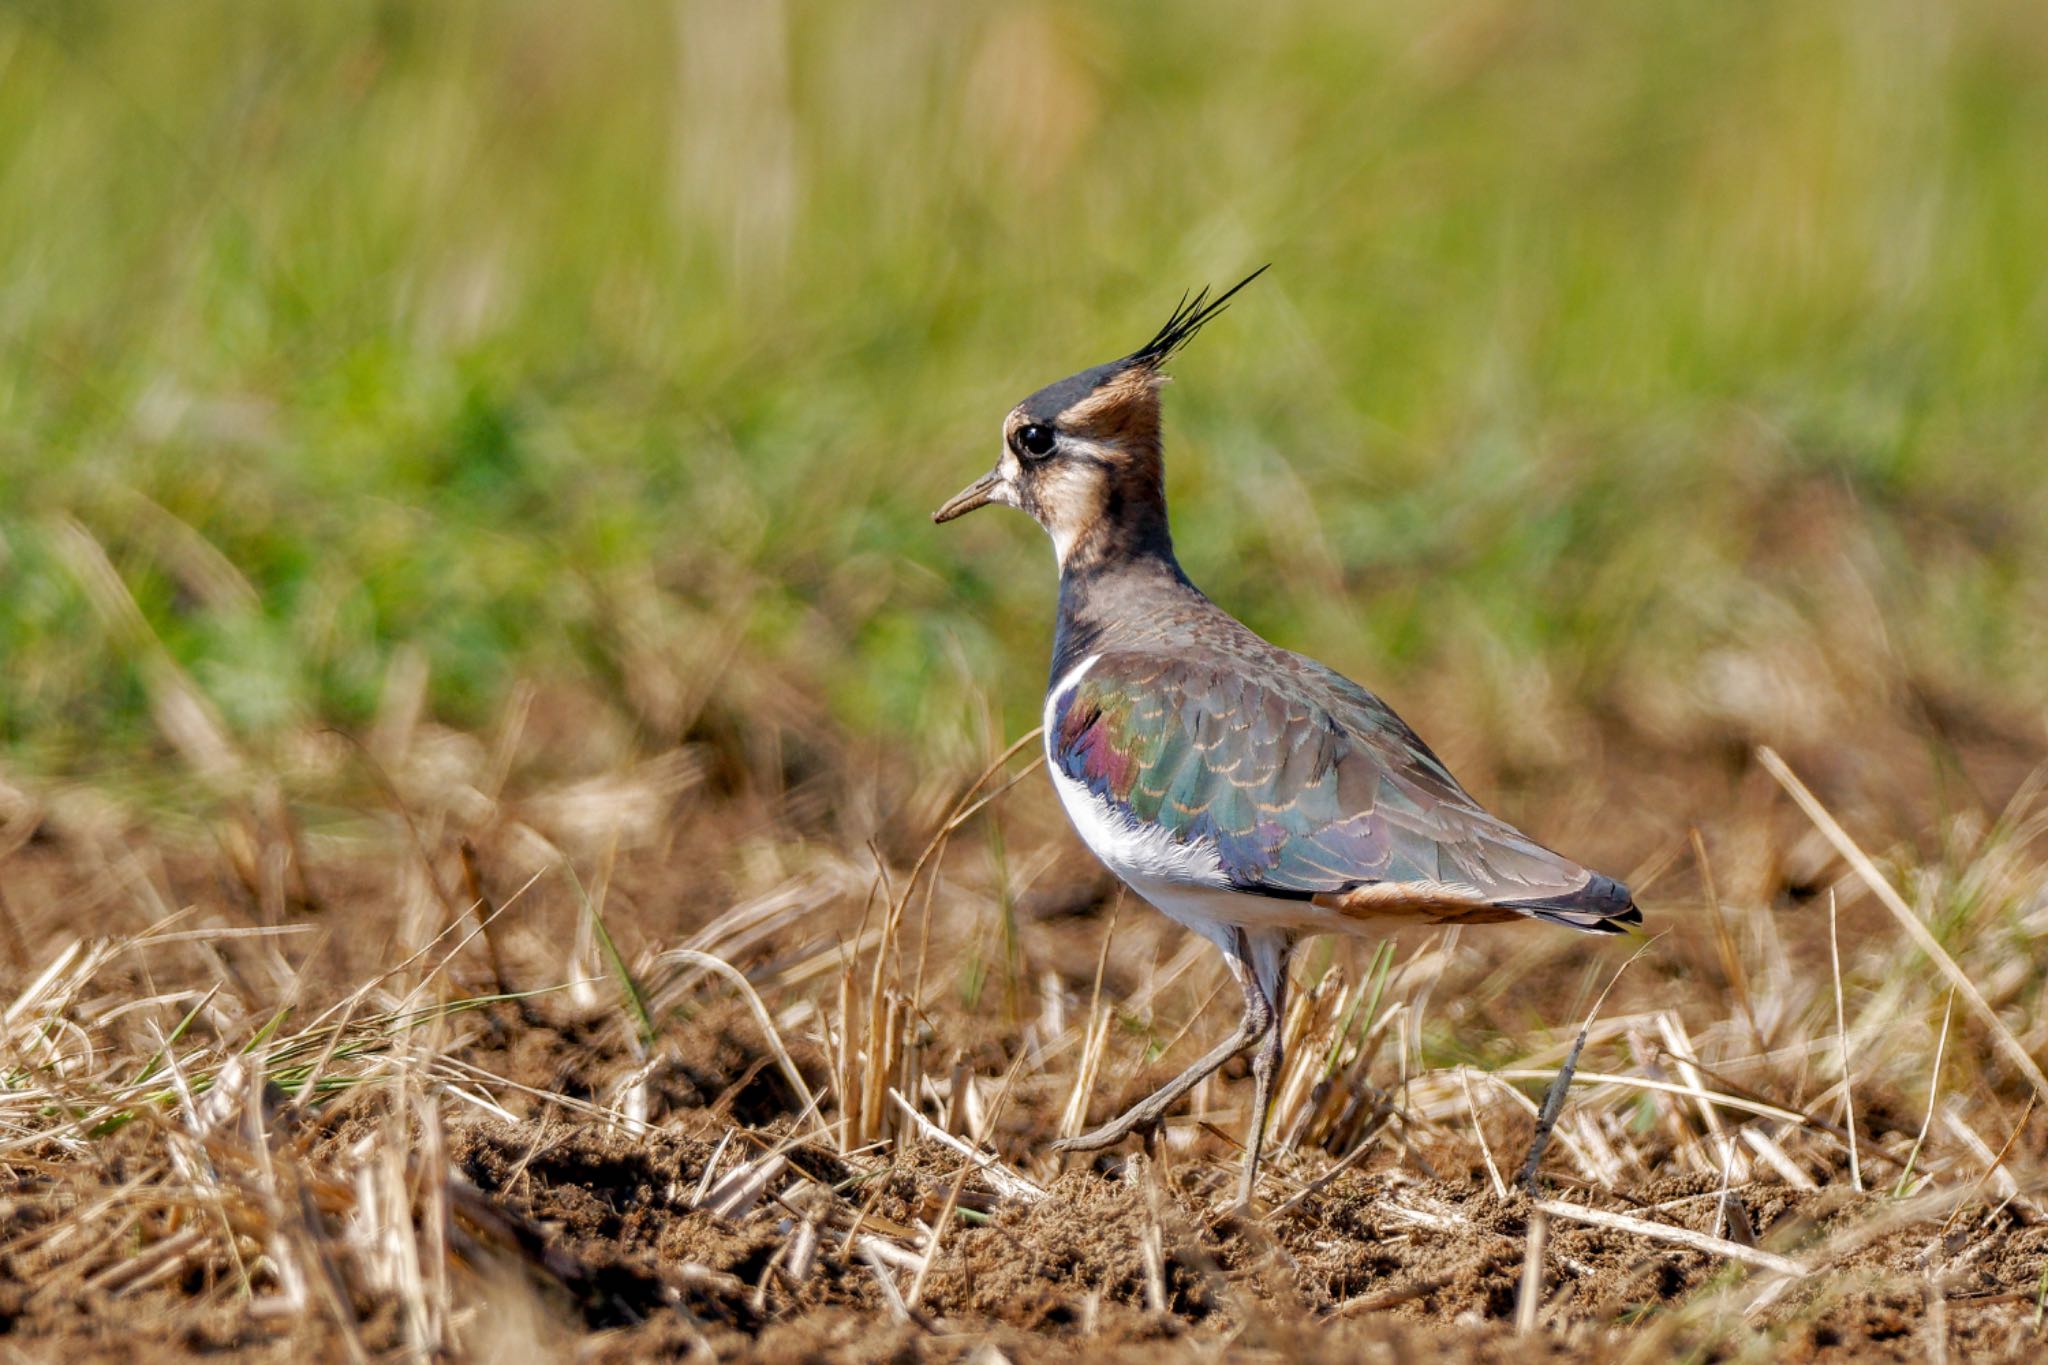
(1189, 317)
(1120, 400)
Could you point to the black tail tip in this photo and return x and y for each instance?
(1602, 906)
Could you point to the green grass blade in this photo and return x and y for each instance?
(630, 994)
(156, 1059)
(1382, 963)
(270, 1027)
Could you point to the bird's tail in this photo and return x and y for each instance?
(1602, 906)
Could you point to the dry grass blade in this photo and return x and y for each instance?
(136, 1270)
(1665, 1232)
(1775, 1157)
(1842, 1038)
(872, 1253)
(1758, 1107)
(1320, 1182)
(1152, 1244)
(1500, 1188)
(964, 809)
(938, 1237)
(1095, 1038)
(1922, 936)
(740, 1190)
(1382, 1300)
(783, 1060)
(1933, 1092)
(1560, 1084)
(1000, 1178)
(1530, 1296)
(1437, 1219)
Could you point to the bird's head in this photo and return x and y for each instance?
(1082, 456)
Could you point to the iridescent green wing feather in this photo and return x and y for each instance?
(1304, 783)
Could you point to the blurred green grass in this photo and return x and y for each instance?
(551, 341)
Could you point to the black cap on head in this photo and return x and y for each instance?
(1045, 406)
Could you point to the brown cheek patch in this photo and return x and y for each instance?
(1070, 495)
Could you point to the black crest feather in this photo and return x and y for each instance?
(1189, 317)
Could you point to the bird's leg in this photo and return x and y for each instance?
(1150, 1112)
(1269, 969)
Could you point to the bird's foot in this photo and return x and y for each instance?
(1146, 1118)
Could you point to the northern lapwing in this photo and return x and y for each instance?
(1244, 790)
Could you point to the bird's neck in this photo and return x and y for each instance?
(1108, 582)
(1125, 532)
(1114, 517)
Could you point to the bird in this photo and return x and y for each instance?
(1246, 791)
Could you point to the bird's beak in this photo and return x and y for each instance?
(980, 493)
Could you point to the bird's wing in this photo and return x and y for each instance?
(1307, 786)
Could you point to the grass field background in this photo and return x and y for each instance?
(546, 342)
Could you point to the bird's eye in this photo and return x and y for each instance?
(1036, 441)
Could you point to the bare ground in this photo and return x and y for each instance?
(435, 1082)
